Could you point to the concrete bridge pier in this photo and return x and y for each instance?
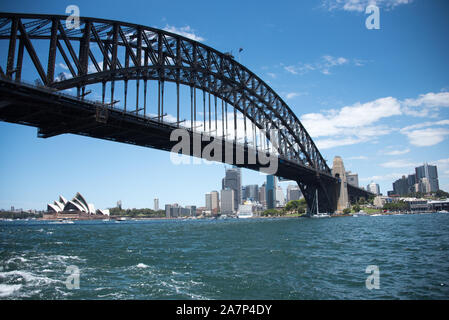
(342, 196)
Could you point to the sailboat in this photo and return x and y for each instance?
(318, 213)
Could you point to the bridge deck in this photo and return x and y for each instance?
(55, 113)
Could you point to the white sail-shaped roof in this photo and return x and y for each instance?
(62, 200)
(53, 208)
(73, 206)
(104, 212)
(77, 201)
(59, 205)
(81, 199)
(91, 208)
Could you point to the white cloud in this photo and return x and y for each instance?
(358, 123)
(430, 99)
(323, 65)
(427, 137)
(360, 5)
(427, 133)
(396, 152)
(389, 176)
(291, 95)
(354, 121)
(185, 31)
(400, 163)
(426, 104)
(357, 158)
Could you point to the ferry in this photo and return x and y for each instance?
(245, 210)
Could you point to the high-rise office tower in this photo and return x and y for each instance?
(280, 198)
(208, 201)
(293, 192)
(262, 194)
(270, 196)
(156, 204)
(215, 201)
(233, 180)
(227, 201)
(251, 192)
(427, 178)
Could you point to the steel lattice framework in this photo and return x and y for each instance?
(153, 54)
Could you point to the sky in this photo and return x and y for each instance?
(379, 98)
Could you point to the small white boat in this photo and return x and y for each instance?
(443, 211)
(376, 215)
(319, 214)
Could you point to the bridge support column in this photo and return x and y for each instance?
(338, 171)
(320, 198)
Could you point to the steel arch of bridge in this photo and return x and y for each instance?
(153, 54)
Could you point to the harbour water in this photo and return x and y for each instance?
(288, 258)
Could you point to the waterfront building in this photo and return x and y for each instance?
(215, 202)
(416, 205)
(233, 180)
(191, 210)
(439, 205)
(227, 201)
(176, 211)
(352, 178)
(280, 198)
(78, 205)
(380, 201)
(293, 192)
(270, 189)
(168, 210)
(208, 201)
(156, 204)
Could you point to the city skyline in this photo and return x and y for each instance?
(360, 94)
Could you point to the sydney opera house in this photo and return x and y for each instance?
(77, 206)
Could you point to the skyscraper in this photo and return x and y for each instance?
(233, 180)
(227, 201)
(156, 204)
(215, 198)
(280, 199)
(401, 186)
(293, 192)
(427, 178)
(352, 178)
(262, 194)
(271, 187)
(374, 188)
(251, 192)
(208, 201)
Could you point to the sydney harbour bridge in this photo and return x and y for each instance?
(135, 84)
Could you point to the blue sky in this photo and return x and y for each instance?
(377, 98)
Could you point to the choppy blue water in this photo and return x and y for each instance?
(228, 259)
